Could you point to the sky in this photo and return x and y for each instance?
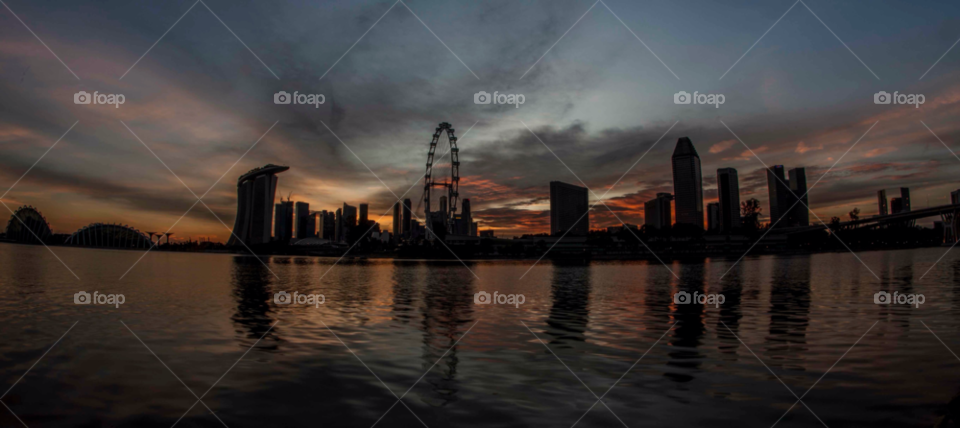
(598, 80)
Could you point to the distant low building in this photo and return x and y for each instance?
(657, 211)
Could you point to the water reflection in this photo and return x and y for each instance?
(728, 326)
(687, 336)
(251, 287)
(789, 311)
(405, 287)
(447, 314)
(570, 291)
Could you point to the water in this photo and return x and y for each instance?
(199, 313)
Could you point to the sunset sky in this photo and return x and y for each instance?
(599, 99)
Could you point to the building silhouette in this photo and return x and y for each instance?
(407, 220)
(568, 209)
(338, 226)
(905, 197)
(657, 211)
(348, 222)
(728, 188)
(283, 223)
(396, 221)
(800, 213)
(788, 197)
(364, 215)
(896, 205)
(303, 220)
(255, 195)
(882, 202)
(326, 225)
(713, 216)
(687, 184)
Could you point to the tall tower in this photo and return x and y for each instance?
(728, 187)
(396, 221)
(256, 191)
(905, 197)
(882, 202)
(407, 225)
(466, 217)
(303, 220)
(364, 208)
(687, 184)
(800, 213)
(777, 190)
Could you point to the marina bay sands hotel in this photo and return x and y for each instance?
(255, 193)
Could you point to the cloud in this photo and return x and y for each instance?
(803, 148)
(721, 146)
(877, 152)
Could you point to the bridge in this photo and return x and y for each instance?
(948, 214)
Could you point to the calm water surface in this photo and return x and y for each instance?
(199, 313)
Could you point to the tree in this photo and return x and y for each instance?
(750, 212)
(855, 214)
(834, 223)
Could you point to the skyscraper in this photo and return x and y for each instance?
(338, 228)
(568, 209)
(882, 202)
(396, 221)
(713, 216)
(466, 218)
(905, 196)
(777, 190)
(363, 215)
(687, 184)
(800, 213)
(283, 223)
(303, 220)
(256, 191)
(349, 222)
(728, 188)
(407, 225)
(656, 212)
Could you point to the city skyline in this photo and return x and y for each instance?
(199, 100)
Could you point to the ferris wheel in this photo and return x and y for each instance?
(452, 186)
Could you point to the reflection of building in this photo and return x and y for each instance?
(255, 194)
(882, 202)
(568, 209)
(570, 312)
(728, 189)
(687, 184)
(713, 216)
(657, 211)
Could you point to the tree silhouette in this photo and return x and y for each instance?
(750, 212)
